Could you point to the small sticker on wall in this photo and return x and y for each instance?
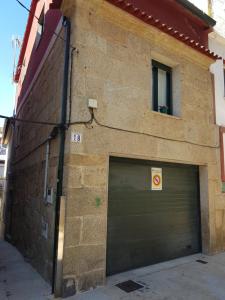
(76, 137)
(156, 179)
(44, 228)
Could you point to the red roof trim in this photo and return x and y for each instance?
(25, 39)
(149, 19)
(55, 4)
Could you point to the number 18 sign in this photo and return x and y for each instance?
(156, 174)
(76, 137)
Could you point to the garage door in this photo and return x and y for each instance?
(148, 226)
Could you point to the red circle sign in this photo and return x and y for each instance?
(156, 180)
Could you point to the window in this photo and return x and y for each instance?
(222, 153)
(161, 88)
(17, 138)
(40, 28)
(2, 169)
(224, 80)
(2, 150)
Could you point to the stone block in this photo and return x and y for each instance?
(95, 176)
(73, 231)
(73, 177)
(71, 261)
(85, 160)
(94, 230)
(91, 257)
(86, 201)
(80, 259)
(90, 280)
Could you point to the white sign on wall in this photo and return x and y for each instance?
(156, 174)
(76, 137)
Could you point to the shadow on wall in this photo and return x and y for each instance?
(1, 209)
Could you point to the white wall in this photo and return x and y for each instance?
(201, 4)
(217, 70)
(219, 16)
(3, 156)
(217, 45)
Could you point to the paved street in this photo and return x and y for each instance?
(18, 280)
(180, 279)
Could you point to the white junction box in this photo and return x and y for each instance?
(50, 195)
(92, 103)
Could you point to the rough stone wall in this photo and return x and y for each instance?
(29, 209)
(114, 66)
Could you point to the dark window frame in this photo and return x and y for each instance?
(224, 81)
(40, 27)
(155, 67)
(41, 21)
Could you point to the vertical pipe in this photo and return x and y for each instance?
(46, 169)
(57, 274)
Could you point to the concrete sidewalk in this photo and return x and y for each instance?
(18, 280)
(180, 279)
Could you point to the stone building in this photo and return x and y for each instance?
(216, 9)
(3, 166)
(119, 164)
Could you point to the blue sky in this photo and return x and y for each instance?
(12, 23)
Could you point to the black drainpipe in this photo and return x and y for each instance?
(62, 134)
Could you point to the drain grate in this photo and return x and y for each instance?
(201, 261)
(129, 286)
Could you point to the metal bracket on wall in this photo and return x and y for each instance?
(60, 247)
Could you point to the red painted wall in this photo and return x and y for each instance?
(31, 54)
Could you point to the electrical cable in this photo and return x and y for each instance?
(152, 135)
(31, 151)
(93, 118)
(88, 122)
(52, 31)
(28, 121)
(53, 135)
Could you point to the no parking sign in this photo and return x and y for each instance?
(156, 179)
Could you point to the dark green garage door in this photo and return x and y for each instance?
(146, 226)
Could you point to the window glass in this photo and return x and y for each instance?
(162, 94)
(161, 88)
(40, 28)
(224, 80)
(1, 171)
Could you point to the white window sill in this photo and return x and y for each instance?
(166, 115)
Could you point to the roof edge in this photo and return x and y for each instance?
(197, 12)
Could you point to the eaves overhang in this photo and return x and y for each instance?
(197, 12)
(166, 28)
